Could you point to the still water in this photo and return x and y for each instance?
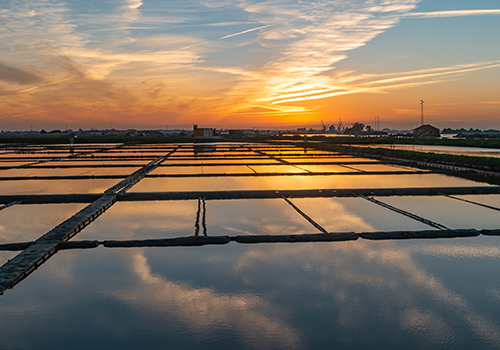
(393, 295)
(455, 150)
(412, 294)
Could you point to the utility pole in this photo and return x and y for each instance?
(421, 112)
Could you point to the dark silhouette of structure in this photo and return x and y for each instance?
(426, 130)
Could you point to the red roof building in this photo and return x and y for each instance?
(203, 132)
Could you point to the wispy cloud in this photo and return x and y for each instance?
(456, 13)
(16, 75)
(211, 58)
(491, 102)
(377, 85)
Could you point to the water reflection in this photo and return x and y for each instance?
(177, 218)
(451, 212)
(34, 171)
(354, 215)
(361, 294)
(275, 296)
(300, 183)
(143, 220)
(24, 223)
(204, 310)
(456, 150)
(6, 255)
(55, 186)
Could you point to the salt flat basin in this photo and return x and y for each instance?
(168, 219)
(451, 212)
(25, 223)
(201, 170)
(300, 182)
(259, 159)
(55, 186)
(34, 171)
(455, 150)
(420, 293)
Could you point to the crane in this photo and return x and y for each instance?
(340, 129)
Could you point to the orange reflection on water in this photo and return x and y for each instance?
(24, 223)
(55, 186)
(34, 171)
(340, 159)
(300, 182)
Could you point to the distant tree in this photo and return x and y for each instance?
(355, 129)
(43, 131)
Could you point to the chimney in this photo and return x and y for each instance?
(195, 127)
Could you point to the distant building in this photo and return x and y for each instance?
(426, 130)
(203, 132)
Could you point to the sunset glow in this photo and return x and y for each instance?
(248, 63)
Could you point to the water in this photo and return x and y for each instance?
(278, 296)
(412, 294)
(455, 150)
(298, 182)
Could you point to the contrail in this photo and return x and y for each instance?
(246, 31)
(230, 35)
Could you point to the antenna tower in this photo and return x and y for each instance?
(421, 112)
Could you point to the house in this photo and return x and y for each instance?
(426, 130)
(203, 132)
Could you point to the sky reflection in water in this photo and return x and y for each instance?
(364, 294)
(279, 296)
(299, 183)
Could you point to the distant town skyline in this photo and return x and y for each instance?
(248, 63)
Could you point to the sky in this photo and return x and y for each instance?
(248, 63)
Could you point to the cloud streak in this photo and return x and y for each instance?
(16, 75)
(380, 85)
(457, 13)
(291, 56)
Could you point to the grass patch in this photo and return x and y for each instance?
(352, 140)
